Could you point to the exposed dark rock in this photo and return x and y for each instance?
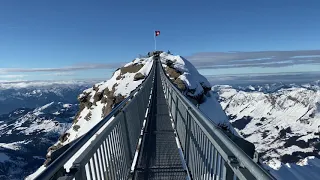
(76, 127)
(283, 132)
(263, 119)
(312, 115)
(64, 137)
(88, 116)
(265, 134)
(139, 76)
(296, 156)
(180, 84)
(131, 69)
(55, 147)
(205, 88)
(106, 110)
(56, 151)
(242, 123)
(232, 117)
(111, 102)
(173, 73)
(258, 124)
(104, 99)
(97, 97)
(293, 141)
(77, 116)
(246, 135)
(95, 88)
(317, 146)
(118, 99)
(85, 101)
(118, 77)
(169, 63)
(272, 99)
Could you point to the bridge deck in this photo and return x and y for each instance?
(159, 157)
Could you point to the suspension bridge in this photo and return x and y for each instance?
(156, 133)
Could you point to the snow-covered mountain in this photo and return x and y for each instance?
(98, 101)
(282, 120)
(32, 117)
(26, 134)
(32, 94)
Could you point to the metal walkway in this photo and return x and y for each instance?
(155, 133)
(159, 157)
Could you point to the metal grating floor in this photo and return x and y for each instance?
(159, 157)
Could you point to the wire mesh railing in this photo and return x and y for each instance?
(113, 142)
(208, 152)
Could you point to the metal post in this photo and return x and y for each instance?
(155, 41)
(227, 172)
(126, 138)
(176, 115)
(187, 145)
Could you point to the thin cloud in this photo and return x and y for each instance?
(60, 74)
(12, 76)
(254, 59)
(78, 67)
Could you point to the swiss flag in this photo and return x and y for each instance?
(157, 33)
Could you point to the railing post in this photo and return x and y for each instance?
(176, 115)
(187, 144)
(227, 172)
(126, 138)
(81, 172)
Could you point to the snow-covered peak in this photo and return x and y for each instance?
(196, 87)
(189, 74)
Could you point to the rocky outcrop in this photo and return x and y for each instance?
(101, 99)
(198, 90)
(139, 76)
(131, 68)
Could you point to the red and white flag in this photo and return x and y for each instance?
(157, 33)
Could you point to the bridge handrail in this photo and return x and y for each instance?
(235, 162)
(56, 169)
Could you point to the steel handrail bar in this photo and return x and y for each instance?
(202, 120)
(58, 163)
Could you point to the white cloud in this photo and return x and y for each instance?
(60, 74)
(77, 67)
(254, 59)
(12, 76)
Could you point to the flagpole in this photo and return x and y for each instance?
(155, 40)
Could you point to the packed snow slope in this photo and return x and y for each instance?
(98, 101)
(283, 121)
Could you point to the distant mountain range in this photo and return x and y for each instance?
(282, 120)
(33, 116)
(33, 94)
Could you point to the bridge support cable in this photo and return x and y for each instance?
(155, 133)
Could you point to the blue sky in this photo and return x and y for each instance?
(88, 39)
